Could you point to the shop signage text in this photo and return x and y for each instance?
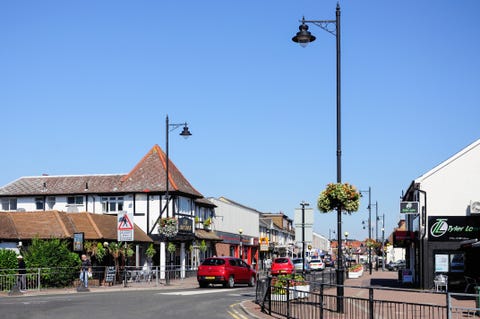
(185, 225)
(409, 207)
(441, 228)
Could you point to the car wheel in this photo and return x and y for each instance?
(251, 283)
(203, 284)
(230, 282)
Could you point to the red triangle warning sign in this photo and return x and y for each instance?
(124, 223)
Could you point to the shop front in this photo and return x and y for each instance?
(241, 246)
(450, 249)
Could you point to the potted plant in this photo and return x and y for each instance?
(150, 252)
(343, 196)
(295, 285)
(168, 227)
(207, 223)
(355, 271)
(198, 223)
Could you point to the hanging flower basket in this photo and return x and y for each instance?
(168, 227)
(344, 196)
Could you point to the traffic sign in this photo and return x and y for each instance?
(125, 226)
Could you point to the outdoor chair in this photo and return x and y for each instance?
(440, 282)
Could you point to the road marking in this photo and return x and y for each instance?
(235, 313)
(191, 292)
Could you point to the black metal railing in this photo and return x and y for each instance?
(319, 300)
(54, 277)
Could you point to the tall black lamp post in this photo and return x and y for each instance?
(369, 228)
(303, 204)
(303, 37)
(185, 133)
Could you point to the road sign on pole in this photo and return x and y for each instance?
(125, 226)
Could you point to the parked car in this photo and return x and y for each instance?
(282, 265)
(329, 262)
(298, 264)
(317, 264)
(227, 271)
(396, 265)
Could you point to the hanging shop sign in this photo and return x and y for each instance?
(444, 228)
(263, 243)
(185, 225)
(409, 207)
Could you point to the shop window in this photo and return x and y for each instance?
(457, 263)
(449, 262)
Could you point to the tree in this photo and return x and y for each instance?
(59, 266)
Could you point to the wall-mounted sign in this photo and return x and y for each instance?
(445, 228)
(78, 241)
(185, 225)
(409, 208)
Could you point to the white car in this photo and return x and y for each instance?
(317, 264)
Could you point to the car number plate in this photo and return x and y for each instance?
(209, 277)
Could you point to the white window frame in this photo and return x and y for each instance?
(9, 204)
(112, 204)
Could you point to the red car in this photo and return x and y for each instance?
(227, 271)
(282, 265)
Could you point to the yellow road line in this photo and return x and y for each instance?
(234, 313)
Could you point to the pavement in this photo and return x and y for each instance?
(378, 279)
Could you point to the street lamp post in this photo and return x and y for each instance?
(240, 232)
(185, 133)
(303, 37)
(369, 228)
(303, 204)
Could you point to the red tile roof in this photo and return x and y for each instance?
(55, 224)
(147, 176)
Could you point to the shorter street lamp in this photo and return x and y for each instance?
(347, 259)
(240, 232)
(369, 228)
(303, 204)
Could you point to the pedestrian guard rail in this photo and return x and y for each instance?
(56, 277)
(318, 298)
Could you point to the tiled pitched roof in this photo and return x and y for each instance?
(147, 175)
(54, 185)
(55, 224)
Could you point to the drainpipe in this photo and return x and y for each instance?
(423, 231)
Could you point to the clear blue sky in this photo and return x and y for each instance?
(86, 85)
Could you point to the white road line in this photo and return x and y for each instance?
(191, 292)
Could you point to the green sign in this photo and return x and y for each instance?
(409, 207)
(443, 228)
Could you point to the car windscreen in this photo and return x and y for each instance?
(281, 260)
(213, 262)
